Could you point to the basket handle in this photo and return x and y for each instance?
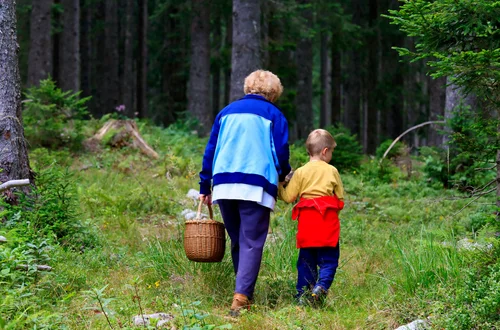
(198, 215)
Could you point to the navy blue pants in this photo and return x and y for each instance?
(310, 259)
(247, 224)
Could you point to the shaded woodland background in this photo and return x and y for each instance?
(171, 60)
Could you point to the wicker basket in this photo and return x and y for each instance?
(204, 240)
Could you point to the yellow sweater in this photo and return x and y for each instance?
(314, 179)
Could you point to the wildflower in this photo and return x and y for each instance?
(157, 283)
(120, 108)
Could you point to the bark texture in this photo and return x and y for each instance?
(370, 134)
(199, 72)
(112, 57)
(455, 98)
(325, 75)
(86, 47)
(304, 78)
(245, 57)
(127, 92)
(14, 163)
(69, 68)
(437, 100)
(40, 53)
(142, 34)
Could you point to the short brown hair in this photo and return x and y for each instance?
(318, 140)
(264, 83)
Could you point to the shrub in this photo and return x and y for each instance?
(50, 210)
(397, 150)
(461, 171)
(348, 153)
(53, 118)
(477, 303)
(435, 166)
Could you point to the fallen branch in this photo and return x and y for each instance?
(409, 130)
(42, 268)
(477, 196)
(14, 183)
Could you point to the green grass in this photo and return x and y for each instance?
(398, 251)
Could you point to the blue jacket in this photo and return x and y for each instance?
(248, 144)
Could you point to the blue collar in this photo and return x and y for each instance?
(255, 96)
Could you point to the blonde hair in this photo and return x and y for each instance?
(318, 140)
(264, 83)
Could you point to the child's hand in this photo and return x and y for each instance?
(289, 176)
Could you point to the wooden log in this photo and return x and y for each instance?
(14, 183)
(41, 268)
(125, 133)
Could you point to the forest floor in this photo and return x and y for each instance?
(400, 260)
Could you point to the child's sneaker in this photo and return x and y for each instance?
(318, 295)
(303, 300)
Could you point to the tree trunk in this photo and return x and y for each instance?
(454, 99)
(304, 76)
(99, 83)
(437, 100)
(174, 66)
(112, 57)
(266, 17)
(85, 48)
(216, 63)
(246, 44)
(142, 71)
(199, 72)
(69, 67)
(336, 83)
(40, 53)
(370, 136)
(128, 88)
(227, 68)
(498, 180)
(14, 163)
(352, 114)
(325, 75)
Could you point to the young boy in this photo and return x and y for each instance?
(321, 195)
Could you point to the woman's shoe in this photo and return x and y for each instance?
(239, 301)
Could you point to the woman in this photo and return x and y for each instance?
(246, 156)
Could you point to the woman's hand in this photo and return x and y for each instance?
(206, 199)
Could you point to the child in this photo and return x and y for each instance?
(321, 195)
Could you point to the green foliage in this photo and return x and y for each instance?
(298, 155)
(348, 153)
(397, 150)
(53, 118)
(50, 210)
(474, 135)
(460, 40)
(390, 262)
(425, 263)
(463, 170)
(458, 37)
(195, 319)
(476, 303)
(435, 167)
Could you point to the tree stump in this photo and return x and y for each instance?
(119, 134)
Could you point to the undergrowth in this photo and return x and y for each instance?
(110, 225)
